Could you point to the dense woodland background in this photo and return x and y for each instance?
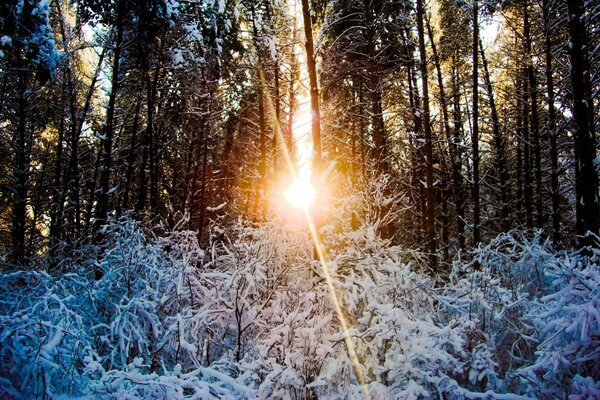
(146, 249)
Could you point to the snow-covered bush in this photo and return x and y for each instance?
(567, 322)
(137, 332)
(143, 315)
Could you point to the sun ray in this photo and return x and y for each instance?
(306, 194)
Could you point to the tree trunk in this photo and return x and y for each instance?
(314, 90)
(501, 166)
(429, 190)
(20, 168)
(528, 188)
(131, 157)
(475, 132)
(586, 178)
(534, 118)
(104, 195)
(551, 129)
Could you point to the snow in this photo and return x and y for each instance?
(252, 317)
(216, 208)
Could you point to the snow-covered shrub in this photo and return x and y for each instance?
(44, 335)
(406, 351)
(490, 293)
(137, 332)
(567, 321)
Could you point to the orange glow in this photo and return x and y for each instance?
(301, 193)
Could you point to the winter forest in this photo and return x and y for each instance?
(299, 199)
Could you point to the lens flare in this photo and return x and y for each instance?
(301, 194)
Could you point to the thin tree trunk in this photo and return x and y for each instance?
(104, 196)
(498, 144)
(551, 129)
(74, 183)
(203, 184)
(528, 187)
(457, 158)
(374, 88)
(475, 132)
(429, 190)
(314, 89)
(131, 157)
(56, 214)
(535, 134)
(20, 168)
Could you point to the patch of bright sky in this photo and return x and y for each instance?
(489, 30)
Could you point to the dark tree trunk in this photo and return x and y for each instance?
(528, 187)
(131, 157)
(535, 132)
(457, 178)
(551, 129)
(20, 168)
(429, 190)
(73, 170)
(374, 88)
(586, 177)
(498, 140)
(105, 172)
(314, 89)
(475, 132)
(56, 214)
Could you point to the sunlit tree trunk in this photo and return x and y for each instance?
(314, 89)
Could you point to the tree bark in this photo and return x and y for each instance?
(501, 164)
(475, 132)
(551, 128)
(535, 131)
(106, 165)
(429, 190)
(586, 178)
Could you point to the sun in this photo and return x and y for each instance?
(301, 194)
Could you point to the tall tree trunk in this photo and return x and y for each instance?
(104, 195)
(203, 184)
(528, 186)
(276, 126)
(586, 177)
(475, 131)
(315, 113)
(501, 164)
(374, 88)
(551, 129)
(314, 90)
(535, 131)
(262, 164)
(457, 178)
(20, 168)
(73, 170)
(56, 214)
(519, 145)
(152, 87)
(131, 157)
(429, 190)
